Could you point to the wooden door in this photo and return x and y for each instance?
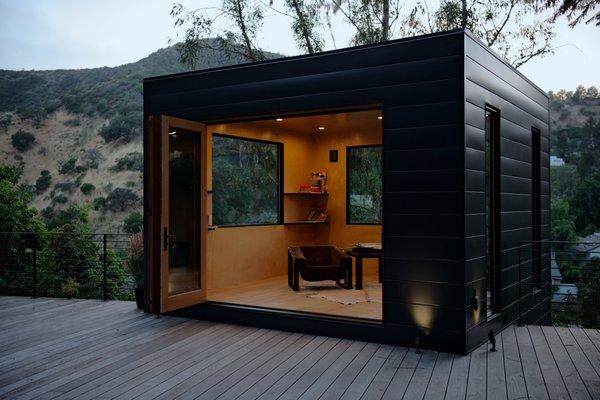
(183, 214)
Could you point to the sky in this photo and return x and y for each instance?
(71, 34)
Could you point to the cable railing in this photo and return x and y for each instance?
(559, 283)
(71, 265)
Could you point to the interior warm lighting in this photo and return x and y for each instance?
(321, 128)
(173, 133)
(380, 117)
(279, 119)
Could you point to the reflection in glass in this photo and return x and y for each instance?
(184, 207)
(364, 185)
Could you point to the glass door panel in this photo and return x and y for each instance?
(183, 213)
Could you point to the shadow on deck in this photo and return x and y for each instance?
(57, 348)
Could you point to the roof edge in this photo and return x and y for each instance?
(503, 60)
(305, 56)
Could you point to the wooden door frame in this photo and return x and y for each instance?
(159, 300)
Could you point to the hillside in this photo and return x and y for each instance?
(76, 134)
(86, 129)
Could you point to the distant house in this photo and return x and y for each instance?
(561, 291)
(589, 246)
(556, 161)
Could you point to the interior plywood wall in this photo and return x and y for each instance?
(242, 254)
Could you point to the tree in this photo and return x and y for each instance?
(563, 222)
(133, 223)
(198, 24)
(592, 92)
(87, 188)
(120, 199)
(501, 24)
(373, 20)
(15, 214)
(589, 157)
(579, 94)
(576, 11)
(306, 21)
(22, 140)
(43, 182)
(585, 204)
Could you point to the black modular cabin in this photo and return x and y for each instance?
(465, 177)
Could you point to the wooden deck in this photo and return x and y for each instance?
(67, 349)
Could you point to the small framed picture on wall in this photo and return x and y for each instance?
(333, 156)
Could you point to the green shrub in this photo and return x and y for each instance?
(43, 182)
(5, 121)
(71, 215)
(121, 199)
(130, 162)
(133, 223)
(135, 259)
(98, 203)
(91, 158)
(72, 122)
(122, 127)
(67, 166)
(47, 213)
(60, 199)
(67, 187)
(87, 188)
(22, 140)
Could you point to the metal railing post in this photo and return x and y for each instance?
(104, 264)
(520, 321)
(34, 267)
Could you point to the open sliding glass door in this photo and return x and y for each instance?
(183, 217)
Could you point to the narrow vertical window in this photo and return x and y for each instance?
(536, 210)
(492, 209)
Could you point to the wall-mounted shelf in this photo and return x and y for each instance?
(306, 194)
(306, 223)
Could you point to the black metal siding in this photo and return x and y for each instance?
(419, 83)
(433, 181)
(488, 80)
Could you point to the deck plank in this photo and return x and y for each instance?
(536, 388)
(403, 375)
(477, 381)
(457, 386)
(436, 388)
(513, 367)
(87, 349)
(418, 383)
(586, 371)
(496, 377)
(550, 372)
(384, 376)
(569, 373)
(310, 376)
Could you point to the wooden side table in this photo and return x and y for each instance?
(359, 255)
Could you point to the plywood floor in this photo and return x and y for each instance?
(87, 349)
(275, 293)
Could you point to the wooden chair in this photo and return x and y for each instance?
(318, 263)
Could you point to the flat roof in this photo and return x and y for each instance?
(458, 31)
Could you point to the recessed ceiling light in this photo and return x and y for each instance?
(173, 133)
(380, 117)
(279, 119)
(321, 128)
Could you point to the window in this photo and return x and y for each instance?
(492, 209)
(364, 176)
(536, 209)
(246, 180)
